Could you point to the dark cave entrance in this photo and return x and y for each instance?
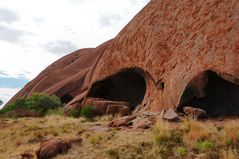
(221, 97)
(66, 98)
(128, 85)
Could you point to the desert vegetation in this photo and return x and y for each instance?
(87, 112)
(37, 102)
(189, 138)
(186, 139)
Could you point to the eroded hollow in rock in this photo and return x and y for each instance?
(128, 85)
(66, 98)
(217, 96)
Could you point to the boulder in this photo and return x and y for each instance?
(195, 113)
(51, 147)
(121, 121)
(101, 106)
(142, 123)
(170, 115)
(122, 110)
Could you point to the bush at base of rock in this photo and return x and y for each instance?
(87, 112)
(37, 102)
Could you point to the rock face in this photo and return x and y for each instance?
(172, 54)
(102, 106)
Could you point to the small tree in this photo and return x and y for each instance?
(1, 102)
(42, 102)
(37, 102)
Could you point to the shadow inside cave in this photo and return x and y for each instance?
(128, 85)
(221, 97)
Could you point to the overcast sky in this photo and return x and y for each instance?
(35, 33)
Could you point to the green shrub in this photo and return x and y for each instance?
(20, 103)
(205, 145)
(87, 111)
(74, 113)
(181, 151)
(42, 102)
(37, 102)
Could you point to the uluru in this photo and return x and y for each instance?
(167, 86)
(172, 54)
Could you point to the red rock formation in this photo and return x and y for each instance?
(171, 54)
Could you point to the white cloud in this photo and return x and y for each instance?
(8, 16)
(10, 34)
(60, 47)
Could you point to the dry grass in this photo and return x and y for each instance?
(26, 133)
(188, 139)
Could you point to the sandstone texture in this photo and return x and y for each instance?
(170, 115)
(172, 54)
(102, 106)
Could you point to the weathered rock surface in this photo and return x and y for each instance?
(170, 44)
(121, 121)
(122, 110)
(102, 106)
(142, 123)
(196, 113)
(170, 115)
(51, 147)
(144, 120)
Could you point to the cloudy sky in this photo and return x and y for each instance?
(34, 33)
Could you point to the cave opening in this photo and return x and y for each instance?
(66, 98)
(128, 85)
(217, 96)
